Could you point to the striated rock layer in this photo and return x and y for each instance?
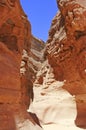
(66, 51)
(31, 63)
(15, 90)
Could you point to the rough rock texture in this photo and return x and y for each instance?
(60, 85)
(61, 90)
(36, 56)
(30, 65)
(67, 45)
(15, 90)
(66, 51)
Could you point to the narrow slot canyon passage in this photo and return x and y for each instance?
(64, 110)
(43, 86)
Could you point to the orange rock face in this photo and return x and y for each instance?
(13, 33)
(15, 91)
(66, 51)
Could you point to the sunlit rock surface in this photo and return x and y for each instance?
(15, 90)
(53, 77)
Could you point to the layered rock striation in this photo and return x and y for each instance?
(15, 89)
(32, 59)
(66, 51)
(66, 41)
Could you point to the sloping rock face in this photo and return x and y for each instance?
(31, 63)
(15, 90)
(36, 56)
(60, 86)
(66, 51)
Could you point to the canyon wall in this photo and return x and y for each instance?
(66, 51)
(32, 59)
(66, 45)
(15, 86)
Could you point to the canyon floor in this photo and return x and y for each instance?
(60, 127)
(55, 107)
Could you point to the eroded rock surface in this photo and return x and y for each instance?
(67, 48)
(60, 80)
(31, 63)
(15, 90)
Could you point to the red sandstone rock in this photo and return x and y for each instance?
(67, 45)
(66, 50)
(15, 90)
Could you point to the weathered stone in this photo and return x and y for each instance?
(66, 50)
(16, 88)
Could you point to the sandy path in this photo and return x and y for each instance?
(55, 107)
(60, 127)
